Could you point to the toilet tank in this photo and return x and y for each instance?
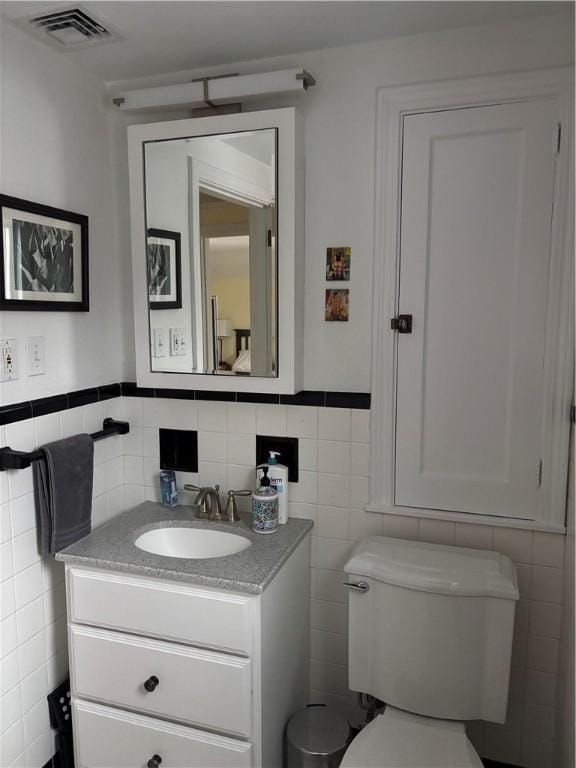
(431, 631)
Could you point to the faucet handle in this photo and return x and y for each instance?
(231, 512)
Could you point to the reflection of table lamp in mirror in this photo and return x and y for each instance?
(225, 330)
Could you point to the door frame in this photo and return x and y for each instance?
(393, 103)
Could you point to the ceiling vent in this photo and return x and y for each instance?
(71, 28)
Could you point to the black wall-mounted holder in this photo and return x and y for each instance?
(287, 447)
(60, 711)
(179, 450)
(11, 459)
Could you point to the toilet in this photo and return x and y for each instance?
(430, 634)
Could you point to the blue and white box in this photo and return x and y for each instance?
(168, 490)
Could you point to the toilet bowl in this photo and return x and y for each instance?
(398, 739)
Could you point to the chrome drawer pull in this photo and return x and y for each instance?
(360, 586)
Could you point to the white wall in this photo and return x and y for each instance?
(339, 119)
(33, 652)
(55, 150)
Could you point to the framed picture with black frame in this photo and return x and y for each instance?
(163, 269)
(43, 257)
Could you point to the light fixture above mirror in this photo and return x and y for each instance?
(215, 91)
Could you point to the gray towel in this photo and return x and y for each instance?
(63, 481)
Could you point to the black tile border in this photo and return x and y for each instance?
(347, 400)
(129, 389)
(263, 398)
(305, 397)
(173, 394)
(223, 397)
(82, 397)
(318, 398)
(46, 405)
(109, 392)
(57, 403)
(17, 412)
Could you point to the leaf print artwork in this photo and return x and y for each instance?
(159, 269)
(43, 258)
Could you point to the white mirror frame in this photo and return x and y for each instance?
(290, 249)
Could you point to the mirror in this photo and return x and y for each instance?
(211, 223)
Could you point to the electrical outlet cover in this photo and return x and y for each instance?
(8, 360)
(35, 355)
(159, 342)
(177, 341)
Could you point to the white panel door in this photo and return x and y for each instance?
(477, 188)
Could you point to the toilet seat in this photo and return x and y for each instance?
(400, 739)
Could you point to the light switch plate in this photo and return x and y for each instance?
(35, 355)
(8, 360)
(159, 342)
(177, 342)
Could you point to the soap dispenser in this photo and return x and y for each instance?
(265, 506)
(278, 474)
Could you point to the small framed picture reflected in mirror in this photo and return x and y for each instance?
(163, 269)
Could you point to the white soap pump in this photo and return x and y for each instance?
(278, 474)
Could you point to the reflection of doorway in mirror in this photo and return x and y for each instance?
(228, 278)
(239, 269)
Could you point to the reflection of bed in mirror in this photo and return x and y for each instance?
(242, 364)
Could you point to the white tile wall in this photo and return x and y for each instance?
(34, 658)
(333, 487)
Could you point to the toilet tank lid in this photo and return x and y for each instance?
(438, 568)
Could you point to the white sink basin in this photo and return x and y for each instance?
(191, 543)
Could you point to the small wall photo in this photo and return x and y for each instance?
(337, 305)
(338, 263)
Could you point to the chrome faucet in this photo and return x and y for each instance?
(209, 507)
(208, 502)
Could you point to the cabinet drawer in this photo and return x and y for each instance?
(207, 689)
(108, 738)
(152, 608)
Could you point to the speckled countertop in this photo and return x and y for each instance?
(112, 548)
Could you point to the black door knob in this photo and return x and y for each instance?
(150, 685)
(154, 761)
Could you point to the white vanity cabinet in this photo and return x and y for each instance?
(184, 676)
